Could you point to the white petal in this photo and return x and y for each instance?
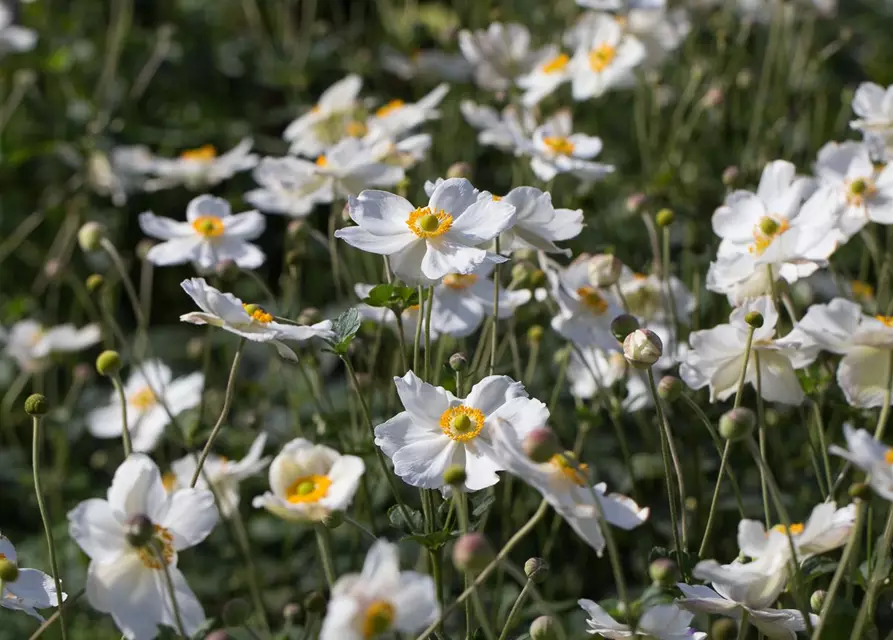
(190, 517)
(247, 226)
(136, 488)
(492, 392)
(380, 212)
(380, 244)
(97, 530)
(128, 591)
(164, 228)
(206, 205)
(482, 221)
(423, 463)
(415, 602)
(425, 402)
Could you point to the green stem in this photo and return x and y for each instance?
(761, 430)
(428, 309)
(253, 587)
(878, 577)
(169, 582)
(460, 499)
(325, 553)
(748, 346)
(820, 428)
(125, 429)
(496, 273)
(744, 625)
(715, 499)
(610, 543)
(401, 339)
(418, 331)
(513, 613)
(57, 614)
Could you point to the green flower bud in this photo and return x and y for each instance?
(36, 405)
(737, 424)
(664, 217)
(536, 569)
(817, 600)
(90, 236)
(455, 475)
(9, 572)
(535, 334)
(662, 572)
(543, 628)
(541, 444)
(140, 531)
(108, 363)
(472, 552)
(754, 319)
(669, 388)
(458, 362)
(94, 282)
(623, 325)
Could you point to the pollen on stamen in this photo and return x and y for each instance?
(389, 108)
(556, 64)
(560, 145)
(765, 232)
(592, 300)
(888, 456)
(462, 423)
(429, 224)
(205, 153)
(601, 57)
(459, 282)
(887, 321)
(208, 226)
(257, 313)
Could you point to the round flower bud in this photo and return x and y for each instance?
(537, 278)
(9, 572)
(730, 176)
(334, 520)
(140, 531)
(236, 612)
(623, 325)
(662, 572)
(664, 217)
(458, 362)
(860, 491)
(455, 475)
(723, 629)
(543, 628)
(108, 363)
(291, 611)
(459, 170)
(817, 600)
(36, 405)
(737, 423)
(472, 552)
(635, 202)
(94, 282)
(90, 235)
(535, 334)
(536, 569)
(669, 388)
(310, 315)
(754, 319)
(541, 444)
(604, 270)
(315, 602)
(642, 348)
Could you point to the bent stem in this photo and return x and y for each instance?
(171, 591)
(125, 429)
(715, 499)
(325, 553)
(224, 412)
(516, 608)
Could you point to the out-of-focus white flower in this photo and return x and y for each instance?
(646, 298)
(871, 456)
(150, 393)
(126, 581)
(584, 312)
(249, 321)
(610, 367)
(424, 244)
(661, 31)
(605, 56)
(663, 621)
(224, 474)
(716, 358)
(200, 168)
(310, 481)
(349, 167)
(557, 149)
(380, 600)
(538, 224)
(551, 70)
(288, 186)
(14, 38)
(564, 483)
(31, 590)
(210, 235)
(827, 528)
(874, 106)
(756, 584)
(120, 173)
(428, 63)
(509, 130)
(497, 55)
(31, 344)
(393, 120)
(328, 121)
(438, 430)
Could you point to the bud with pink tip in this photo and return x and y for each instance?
(642, 348)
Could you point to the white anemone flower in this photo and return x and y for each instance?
(200, 168)
(31, 590)
(610, 367)
(646, 297)
(249, 321)
(716, 358)
(380, 600)
(129, 582)
(551, 70)
(565, 484)
(327, 122)
(394, 119)
(14, 38)
(874, 106)
(428, 63)
(585, 312)
(152, 397)
(119, 173)
(605, 57)
(309, 482)
(873, 457)
(538, 224)
(288, 186)
(507, 130)
(424, 244)
(210, 235)
(438, 430)
(663, 622)
(497, 55)
(826, 529)
(31, 344)
(556, 149)
(224, 474)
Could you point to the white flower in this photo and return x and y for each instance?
(150, 393)
(224, 474)
(538, 224)
(31, 590)
(497, 55)
(564, 483)
(661, 31)
(288, 186)
(717, 357)
(424, 244)
(14, 38)
(663, 621)
(200, 168)
(438, 430)
(210, 235)
(551, 69)
(327, 122)
(605, 56)
(556, 149)
(123, 171)
(874, 106)
(646, 298)
(396, 118)
(250, 321)
(871, 456)
(380, 600)
(585, 312)
(610, 367)
(509, 130)
(129, 582)
(432, 63)
(31, 344)
(755, 585)
(310, 481)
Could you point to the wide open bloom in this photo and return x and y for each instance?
(308, 482)
(329, 119)
(663, 621)
(585, 312)
(394, 119)
(433, 64)
(538, 224)
(152, 398)
(827, 528)
(556, 149)
(288, 186)
(605, 57)
(128, 581)
(497, 55)
(31, 590)
(249, 321)
(380, 600)
(31, 344)
(716, 358)
(200, 168)
(871, 456)
(439, 430)
(424, 244)
(14, 38)
(550, 70)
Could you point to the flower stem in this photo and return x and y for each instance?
(761, 430)
(69, 602)
(418, 331)
(748, 346)
(224, 412)
(743, 626)
(253, 587)
(513, 613)
(325, 553)
(460, 499)
(125, 429)
(44, 516)
(428, 308)
(715, 499)
(171, 592)
(496, 273)
(401, 339)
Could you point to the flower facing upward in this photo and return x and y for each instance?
(556, 149)
(605, 58)
(380, 600)
(127, 580)
(309, 482)
(31, 590)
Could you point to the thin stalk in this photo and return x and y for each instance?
(418, 332)
(668, 475)
(715, 499)
(125, 429)
(224, 412)
(57, 614)
(611, 544)
(761, 431)
(820, 428)
(623, 303)
(359, 526)
(748, 346)
(253, 587)
(878, 576)
(125, 280)
(323, 544)
(171, 591)
(513, 613)
(496, 273)
(460, 499)
(744, 625)
(428, 308)
(401, 338)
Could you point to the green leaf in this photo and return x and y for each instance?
(816, 566)
(483, 505)
(433, 541)
(380, 295)
(345, 327)
(398, 520)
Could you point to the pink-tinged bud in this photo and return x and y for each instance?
(642, 348)
(737, 423)
(472, 552)
(635, 202)
(541, 444)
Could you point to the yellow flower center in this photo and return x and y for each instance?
(601, 57)
(378, 619)
(311, 488)
(208, 226)
(169, 481)
(765, 231)
(887, 321)
(142, 399)
(149, 556)
(426, 224)
(390, 107)
(592, 300)
(205, 153)
(859, 190)
(571, 468)
(355, 129)
(795, 529)
(888, 457)
(639, 276)
(557, 144)
(861, 289)
(322, 161)
(556, 64)
(316, 109)
(257, 313)
(462, 423)
(459, 282)
(496, 198)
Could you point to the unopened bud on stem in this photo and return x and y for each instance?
(754, 319)
(664, 217)
(669, 388)
(36, 405)
(642, 348)
(536, 569)
(543, 628)
(623, 325)
(604, 270)
(108, 363)
(455, 475)
(90, 236)
(737, 424)
(9, 572)
(541, 444)
(472, 552)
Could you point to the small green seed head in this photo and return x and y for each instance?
(90, 236)
(536, 569)
(140, 531)
(623, 325)
(429, 223)
(9, 572)
(664, 217)
(455, 475)
(94, 282)
(108, 363)
(737, 424)
(769, 226)
(858, 186)
(543, 628)
(754, 319)
(36, 405)
(535, 334)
